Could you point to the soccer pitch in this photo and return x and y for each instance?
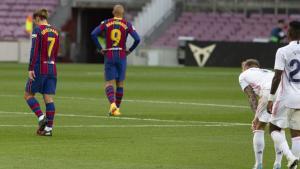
(172, 118)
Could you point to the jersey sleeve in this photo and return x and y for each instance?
(279, 60)
(36, 36)
(243, 82)
(96, 32)
(134, 35)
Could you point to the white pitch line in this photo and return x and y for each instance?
(133, 118)
(148, 101)
(126, 126)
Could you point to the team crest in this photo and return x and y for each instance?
(201, 55)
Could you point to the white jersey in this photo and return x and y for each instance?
(288, 60)
(258, 79)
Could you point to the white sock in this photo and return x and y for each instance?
(296, 146)
(280, 140)
(41, 117)
(278, 151)
(48, 128)
(258, 146)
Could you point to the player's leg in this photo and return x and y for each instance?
(121, 71)
(31, 88)
(34, 105)
(259, 144)
(295, 142)
(110, 91)
(50, 113)
(281, 141)
(279, 121)
(119, 92)
(278, 154)
(49, 89)
(258, 139)
(295, 131)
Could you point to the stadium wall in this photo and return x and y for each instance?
(154, 57)
(14, 51)
(229, 54)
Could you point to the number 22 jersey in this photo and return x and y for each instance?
(288, 60)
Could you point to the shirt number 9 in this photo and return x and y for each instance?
(115, 36)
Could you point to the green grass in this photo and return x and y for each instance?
(181, 138)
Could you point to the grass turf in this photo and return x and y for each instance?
(178, 118)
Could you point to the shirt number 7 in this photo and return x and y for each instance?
(50, 47)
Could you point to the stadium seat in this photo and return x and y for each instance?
(221, 27)
(13, 14)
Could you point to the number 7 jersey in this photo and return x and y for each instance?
(44, 50)
(288, 60)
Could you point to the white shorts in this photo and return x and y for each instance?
(261, 111)
(285, 117)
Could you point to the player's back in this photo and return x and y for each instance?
(258, 79)
(46, 49)
(289, 57)
(117, 30)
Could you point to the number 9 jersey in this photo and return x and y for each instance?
(288, 60)
(44, 50)
(116, 32)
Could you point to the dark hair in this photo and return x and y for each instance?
(42, 13)
(251, 63)
(294, 30)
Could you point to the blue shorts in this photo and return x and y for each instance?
(41, 84)
(115, 69)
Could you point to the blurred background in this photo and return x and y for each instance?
(173, 32)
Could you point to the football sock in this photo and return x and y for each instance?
(35, 107)
(280, 140)
(50, 112)
(119, 96)
(278, 151)
(296, 146)
(258, 146)
(110, 93)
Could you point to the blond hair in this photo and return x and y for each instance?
(41, 13)
(251, 63)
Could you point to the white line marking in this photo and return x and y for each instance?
(136, 119)
(125, 126)
(148, 101)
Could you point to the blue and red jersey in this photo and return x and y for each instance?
(44, 50)
(116, 32)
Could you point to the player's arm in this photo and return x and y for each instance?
(279, 67)
(33, 53)
(135, 36)
(96, 33)
(252, 99)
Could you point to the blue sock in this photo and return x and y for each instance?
(119, 96)
(35, 106)
(50, 112)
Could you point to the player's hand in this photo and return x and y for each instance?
(103, 51)
(254, 123)
(127, 52)
(270, 107)
(31, 75)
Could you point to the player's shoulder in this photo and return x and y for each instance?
(248, 72)
(105, 21)
(36, 29)
(242, 75)
(284, 49)
(53, 27)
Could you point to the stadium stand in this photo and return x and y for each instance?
(13, 14)
(221, 27)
